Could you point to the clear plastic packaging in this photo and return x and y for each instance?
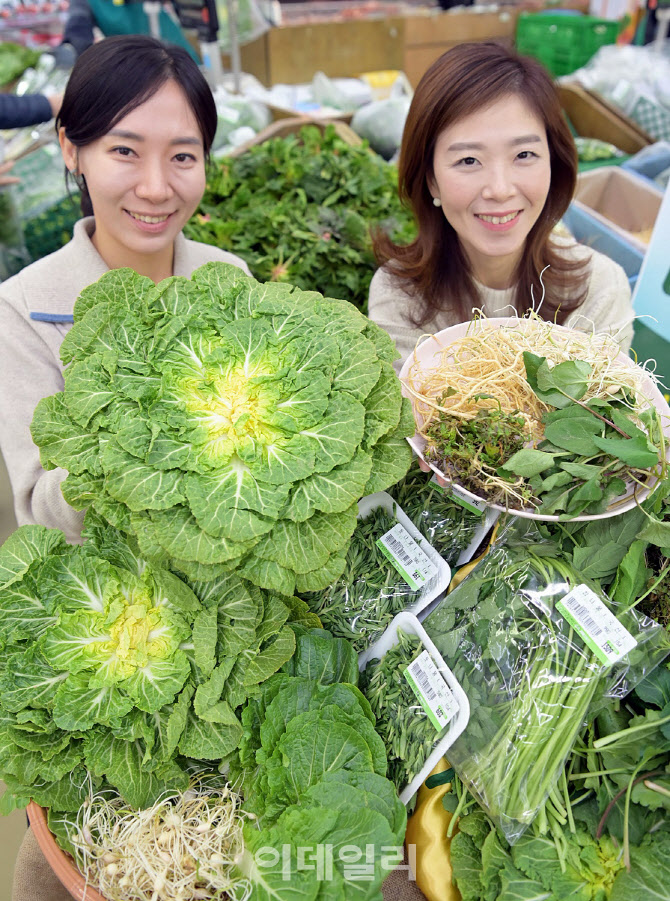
(418, 724)
(536, 648)
(453, 530)
(360, 604)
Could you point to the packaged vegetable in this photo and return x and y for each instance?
(389, 568)
(535, 648)
(419, 706)
(445, 523)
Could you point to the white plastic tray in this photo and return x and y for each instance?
(409, 623)
(440, 581)
(426, 356)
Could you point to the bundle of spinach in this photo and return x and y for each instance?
(408, 734)
(446, 525)
(363, 601)
(530, 678)
(300, 209)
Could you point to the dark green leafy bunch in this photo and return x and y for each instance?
(227, 425)
(409, 736)
(362, 602)
(14, 60)
(116, 671)
(467, 449)
(300, 209)
(313, 769)
(530, 679)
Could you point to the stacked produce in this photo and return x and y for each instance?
(14, 60)
(300, 209)
(362, 602)
(227, 425)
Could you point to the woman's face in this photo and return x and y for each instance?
(145, 177)
(491, 172)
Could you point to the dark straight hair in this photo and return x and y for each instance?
(434, 268)
(113, 77)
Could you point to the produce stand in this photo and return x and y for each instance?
(492, 607)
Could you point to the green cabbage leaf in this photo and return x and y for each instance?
(116, 670)
(227, 425)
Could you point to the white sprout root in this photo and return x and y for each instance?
(181, 849)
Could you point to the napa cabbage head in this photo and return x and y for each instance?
(226, 424)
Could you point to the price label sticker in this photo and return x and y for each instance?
(598, 627)
(412, 563)
(431, 690)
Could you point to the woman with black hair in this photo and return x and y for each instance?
(135, 128)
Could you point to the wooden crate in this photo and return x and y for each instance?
(593, 117)
(281, 128)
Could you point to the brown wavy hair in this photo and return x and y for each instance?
(434, 268)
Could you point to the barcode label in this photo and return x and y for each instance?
(431, 690)
(412, 563)
(596, 624)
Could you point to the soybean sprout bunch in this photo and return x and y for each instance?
(183, 848)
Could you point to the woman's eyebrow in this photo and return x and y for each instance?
(473, 145)
(133, 136)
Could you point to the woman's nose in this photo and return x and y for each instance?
(499, 184)
(154, 183)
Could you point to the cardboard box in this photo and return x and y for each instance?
(291, 54)
(621, 201)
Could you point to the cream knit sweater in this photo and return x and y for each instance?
(606, 307)
(35, 315)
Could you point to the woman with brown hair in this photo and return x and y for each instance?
(488, 166)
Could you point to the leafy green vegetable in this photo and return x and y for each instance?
(530, 680)
(312, 767)
(112, 665)
(14, 60)
(300, 209)
(228, 425)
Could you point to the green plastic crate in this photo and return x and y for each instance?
(563, 43)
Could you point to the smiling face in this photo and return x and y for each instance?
(145, 178)
(491, 172)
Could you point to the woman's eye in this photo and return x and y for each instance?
(526, 155)
(185, 158)
(122, 151)
(467, 161)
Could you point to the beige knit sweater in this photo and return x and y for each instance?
(606, 307)
(30, 366)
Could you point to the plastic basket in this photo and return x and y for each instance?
(409, 623)
(563, 43)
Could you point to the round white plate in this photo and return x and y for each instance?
(427, 356)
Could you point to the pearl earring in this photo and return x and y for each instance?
(437, 201)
